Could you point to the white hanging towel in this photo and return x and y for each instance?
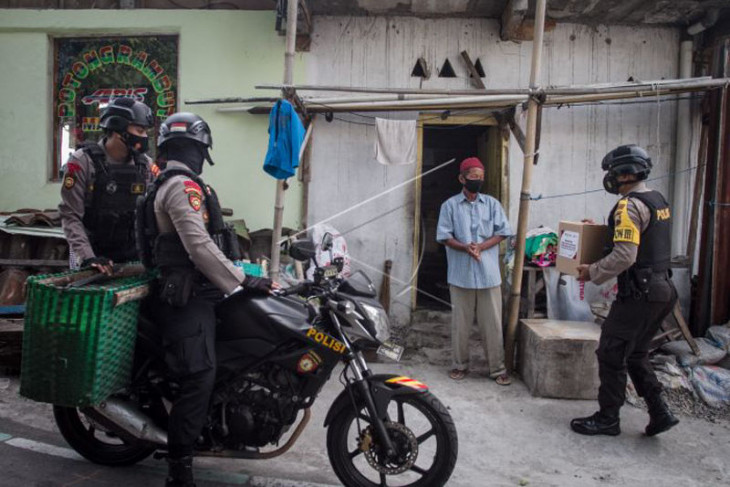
(395, 141)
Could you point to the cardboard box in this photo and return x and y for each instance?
(580, 243)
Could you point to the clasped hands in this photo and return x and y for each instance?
(475, 251)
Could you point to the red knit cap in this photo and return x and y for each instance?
(469, 163)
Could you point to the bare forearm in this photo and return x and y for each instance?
(491, 242)
(456, 245)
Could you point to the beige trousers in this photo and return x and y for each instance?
(484, 305)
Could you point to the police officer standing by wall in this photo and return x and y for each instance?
(640, 224)
(101, 183)
(181, 232)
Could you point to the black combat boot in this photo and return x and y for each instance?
(660, 417)
(597, 424)
(180, 472)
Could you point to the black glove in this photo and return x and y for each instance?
(260, 285)
(96, 260)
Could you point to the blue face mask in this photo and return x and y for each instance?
(473, 185)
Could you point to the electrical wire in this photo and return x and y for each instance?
(564, 195)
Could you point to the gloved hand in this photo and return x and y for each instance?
(102, 264)
(262, 285)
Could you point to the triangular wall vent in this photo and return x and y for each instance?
(446, 70)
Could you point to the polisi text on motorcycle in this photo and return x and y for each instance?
(326, 340)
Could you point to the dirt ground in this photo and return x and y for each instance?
(506, 438)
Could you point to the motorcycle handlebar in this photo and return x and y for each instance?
(296, 289)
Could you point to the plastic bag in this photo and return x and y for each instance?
(721, 336)
(339, 249)
(570, 299)
(712, 384)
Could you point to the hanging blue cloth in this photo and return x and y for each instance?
(286, 134)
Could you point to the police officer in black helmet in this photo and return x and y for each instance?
(640, 226)
(101, 183)
(180, 232)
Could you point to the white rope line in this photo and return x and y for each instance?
(409, 286)
(372, 198)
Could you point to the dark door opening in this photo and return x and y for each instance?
(441, 143)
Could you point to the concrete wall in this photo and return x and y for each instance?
(380, 51)
(222, 53)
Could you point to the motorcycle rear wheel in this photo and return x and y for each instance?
(96, 444)
(427, 435)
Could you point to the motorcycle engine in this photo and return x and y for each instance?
(257, 410)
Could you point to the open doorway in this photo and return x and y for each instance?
(439, 143)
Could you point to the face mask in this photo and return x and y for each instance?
(610, 183)
(473, 185)
(188, 152)
(132, 141)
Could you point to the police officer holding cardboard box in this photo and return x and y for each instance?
(640, 224)
(180, 232)
(101, 183)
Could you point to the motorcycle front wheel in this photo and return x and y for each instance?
(95, 443)
(422, 432)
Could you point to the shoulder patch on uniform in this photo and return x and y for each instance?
(68, 182)
(195, 201)
(625, 230)
(192, 187)
(72, 168)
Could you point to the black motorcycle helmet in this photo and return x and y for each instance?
(180, 133)
(625, 159)
(120, 112)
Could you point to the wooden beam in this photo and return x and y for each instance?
(697, 196)
(677, 313)
(475, 78)
(516, 130)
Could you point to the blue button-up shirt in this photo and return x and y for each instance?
(472, 222)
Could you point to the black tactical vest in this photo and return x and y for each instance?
(654, 253)
(109, 212)
(166, 251)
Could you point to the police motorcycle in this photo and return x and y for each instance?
(275, 353)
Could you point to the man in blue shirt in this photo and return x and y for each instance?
(471, 225)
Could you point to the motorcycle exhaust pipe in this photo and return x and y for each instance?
(126, 419)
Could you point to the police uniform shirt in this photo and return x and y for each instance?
(180, 207)
(632, 215)
(76, 184)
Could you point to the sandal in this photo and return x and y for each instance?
(503, 380)
(457, 374)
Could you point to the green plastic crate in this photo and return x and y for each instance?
(78, 344)
(250, 269)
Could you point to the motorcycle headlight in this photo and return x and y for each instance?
(379, 319)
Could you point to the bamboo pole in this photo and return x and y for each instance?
(555, 90)
(477, 102)
(532, 129)
(554, 96)
(291, 36)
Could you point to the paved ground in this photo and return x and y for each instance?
(506, 438)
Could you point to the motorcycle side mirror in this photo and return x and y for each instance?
(302, 250)
(327, 241)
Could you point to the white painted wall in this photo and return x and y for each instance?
(381, 51)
